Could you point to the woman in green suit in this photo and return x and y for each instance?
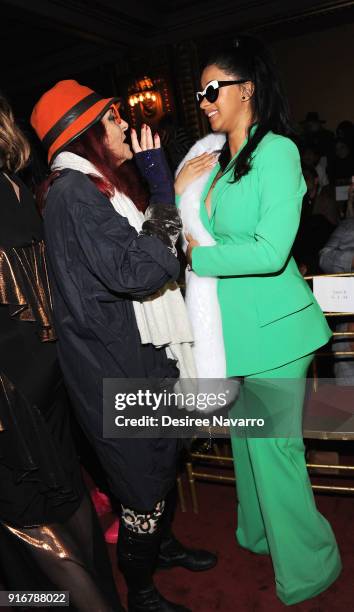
(271, 322)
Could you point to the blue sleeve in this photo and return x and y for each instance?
(153, 167)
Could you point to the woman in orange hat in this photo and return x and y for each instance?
(49, 534)
(105, 258)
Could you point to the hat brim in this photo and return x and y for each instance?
(307, 120)
(82, 123)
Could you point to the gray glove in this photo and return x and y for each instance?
(164, 222)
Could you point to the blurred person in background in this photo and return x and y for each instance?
(311, 156)
(319, 217)
(49, 534)
(337, 257)
(345, 130)
(341, 167)
(314, 131)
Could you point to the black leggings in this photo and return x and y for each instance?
(69, 556)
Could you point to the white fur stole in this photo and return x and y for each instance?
(201, 292)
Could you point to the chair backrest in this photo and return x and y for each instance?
(337, 315)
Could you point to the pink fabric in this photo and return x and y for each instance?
(101, 502)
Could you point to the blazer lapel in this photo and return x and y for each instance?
(218, 191)
(223, 181)
(203, 213)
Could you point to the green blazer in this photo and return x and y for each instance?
(270, 316)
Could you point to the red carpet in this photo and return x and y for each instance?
(243, 581)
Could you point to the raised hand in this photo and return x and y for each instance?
(147, 141)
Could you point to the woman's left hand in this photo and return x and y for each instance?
(193, 169)
(191, 244)
(146, 140)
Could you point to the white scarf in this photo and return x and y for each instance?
(162, 319)
(201, 293)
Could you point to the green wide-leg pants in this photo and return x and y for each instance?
(277, 514)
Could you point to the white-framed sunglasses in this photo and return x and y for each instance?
(211, 91)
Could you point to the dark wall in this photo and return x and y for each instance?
(318, 73)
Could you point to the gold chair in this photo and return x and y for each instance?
(335, 334)
(215, 460)
(181, 496)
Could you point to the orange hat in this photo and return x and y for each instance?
(64, 112)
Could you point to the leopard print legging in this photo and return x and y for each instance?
(139, 522)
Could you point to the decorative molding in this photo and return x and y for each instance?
(187, 74)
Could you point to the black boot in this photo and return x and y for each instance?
(173, 554)
(137, 555)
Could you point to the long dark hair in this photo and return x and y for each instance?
(125, 178)
(248, 58)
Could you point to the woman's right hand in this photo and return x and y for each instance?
(193, 169)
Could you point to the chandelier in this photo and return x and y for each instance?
(141, 91)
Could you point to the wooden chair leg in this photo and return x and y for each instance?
(181, 496)
(315, 375)
(216, 449)
(193, 491)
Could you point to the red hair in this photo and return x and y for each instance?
(124, 178)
